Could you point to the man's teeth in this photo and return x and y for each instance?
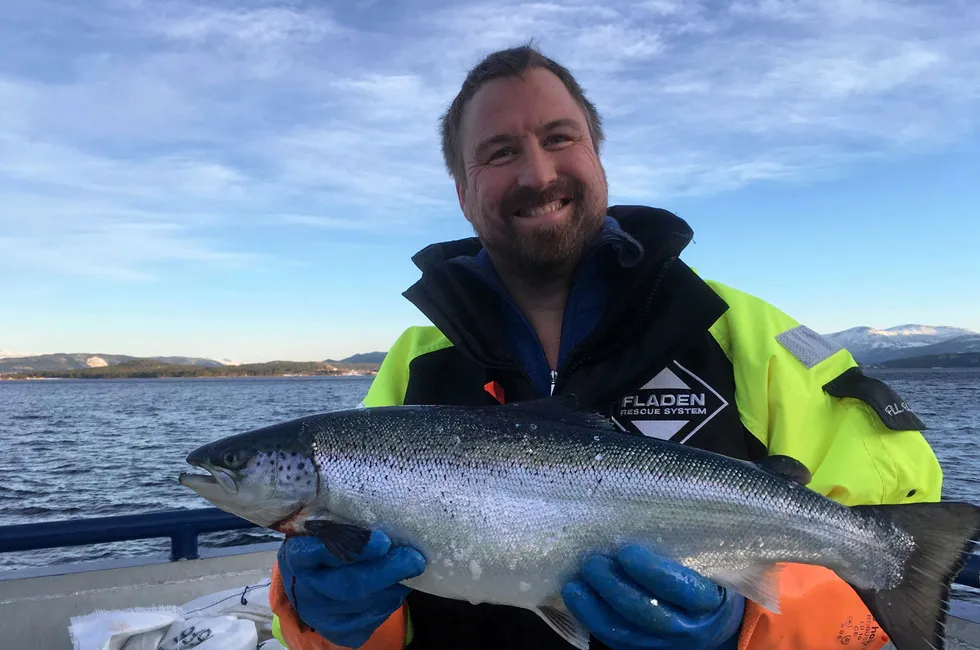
(544, 209)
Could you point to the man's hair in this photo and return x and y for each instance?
(513, 62)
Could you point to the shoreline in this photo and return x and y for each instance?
(242, 376)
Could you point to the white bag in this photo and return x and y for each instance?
(234, 619)
(112, 630)
(210, 633)
(250, 602)
(162, 628)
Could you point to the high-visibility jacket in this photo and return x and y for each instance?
(679, 358)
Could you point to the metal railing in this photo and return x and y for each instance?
(183, 527)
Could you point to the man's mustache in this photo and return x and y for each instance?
(525, 198)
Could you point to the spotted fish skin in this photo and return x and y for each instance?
(505, 502)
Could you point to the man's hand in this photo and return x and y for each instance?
(641, 600)
(346, 602)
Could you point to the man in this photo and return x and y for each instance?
(560, 295)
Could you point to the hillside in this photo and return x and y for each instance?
(151, 368)
(869, 345)
(961, 360)
(363, 357)
(65, 363)
(81, 360)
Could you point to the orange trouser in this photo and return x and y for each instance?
(818, 611)
(298, 636)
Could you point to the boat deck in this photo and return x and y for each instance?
(36, 606)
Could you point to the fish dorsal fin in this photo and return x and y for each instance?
(561, 621)
(562, 409)
(786, 467)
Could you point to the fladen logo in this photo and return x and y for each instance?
(674, 405)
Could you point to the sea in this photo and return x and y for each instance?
(94, 448)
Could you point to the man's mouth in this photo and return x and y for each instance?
(542, 210)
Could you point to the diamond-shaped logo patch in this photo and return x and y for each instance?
(673, 405)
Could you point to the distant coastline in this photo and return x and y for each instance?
(150, 369)
(958, 360)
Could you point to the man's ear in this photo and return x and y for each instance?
(461, 195)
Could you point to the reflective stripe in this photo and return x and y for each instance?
(809, 347)
(277, 631)
(409, 630)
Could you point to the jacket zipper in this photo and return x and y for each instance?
(576, 363)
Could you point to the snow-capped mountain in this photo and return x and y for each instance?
(871, 345)
(10, 354)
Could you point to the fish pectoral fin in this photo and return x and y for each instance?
(786, 467)
(757, 583)
(561, 621)
(344, 541)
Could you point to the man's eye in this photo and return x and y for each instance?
(500, 153)
(557, 138)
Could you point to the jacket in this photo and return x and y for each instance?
(676, 357)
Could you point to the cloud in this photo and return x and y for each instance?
(325, 223)
(155, 129)
(251, 27)
(705, 97)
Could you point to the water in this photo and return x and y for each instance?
(89, 448)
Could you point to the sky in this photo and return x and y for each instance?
(249, 180)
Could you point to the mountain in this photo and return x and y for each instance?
(10, 354)
(869, 345)
(958, 360)
(363, 357)
(78, 361)
(147, 368)
(966, 344)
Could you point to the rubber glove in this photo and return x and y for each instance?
(346, 602)
(641, 600)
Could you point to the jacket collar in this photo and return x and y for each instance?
(645, 242)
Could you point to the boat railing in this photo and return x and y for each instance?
(183, 528)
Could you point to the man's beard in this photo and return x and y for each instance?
(544, 251)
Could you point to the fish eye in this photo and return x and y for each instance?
(231, 460)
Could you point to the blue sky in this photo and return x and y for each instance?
(248, 180)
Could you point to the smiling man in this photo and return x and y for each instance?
(561, 294)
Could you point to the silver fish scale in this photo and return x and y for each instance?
(505, 508)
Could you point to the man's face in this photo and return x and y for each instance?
(535, 191)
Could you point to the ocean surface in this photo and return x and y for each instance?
(89, 448)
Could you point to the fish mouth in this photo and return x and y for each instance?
(215, 480)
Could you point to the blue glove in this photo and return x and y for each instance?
(645, 601)
(346, 602)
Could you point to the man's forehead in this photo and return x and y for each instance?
(515, 104)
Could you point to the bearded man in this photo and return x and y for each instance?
(559, 293)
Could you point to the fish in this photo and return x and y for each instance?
(506, 501)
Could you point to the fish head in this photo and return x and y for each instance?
(266, 476)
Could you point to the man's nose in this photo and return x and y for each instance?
(537, 168)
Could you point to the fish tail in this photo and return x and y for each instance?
(914, 612)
